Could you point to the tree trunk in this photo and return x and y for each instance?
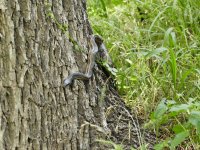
(36, 111)
(37, 52)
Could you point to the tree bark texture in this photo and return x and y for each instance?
(36, 111)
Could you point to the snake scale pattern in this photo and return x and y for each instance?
(97, 46)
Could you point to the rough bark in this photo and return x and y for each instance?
(36, 111)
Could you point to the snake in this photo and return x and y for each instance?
(95, 42)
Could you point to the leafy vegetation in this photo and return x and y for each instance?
(155, 46)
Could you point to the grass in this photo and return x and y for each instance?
(158, 43)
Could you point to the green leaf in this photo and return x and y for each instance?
(178, 108)
(173, 66)
(160, 110)
(171, 102)
(129, 61)
(156, 51)
(178, 128)
(173, 114)
(141, 54)
(198, 71)
(167, 35)
(157, 18)
(194, 119)
(104, 8)
(184, 76)
(161, 145)
(173, 38)
(198, 128)
(179, 138)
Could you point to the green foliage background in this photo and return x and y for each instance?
(155, 46)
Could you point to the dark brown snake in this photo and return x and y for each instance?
(96, 46)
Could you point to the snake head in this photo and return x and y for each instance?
(98, 39)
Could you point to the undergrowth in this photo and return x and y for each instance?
(155, 46)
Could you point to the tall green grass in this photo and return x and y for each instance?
(155, 46)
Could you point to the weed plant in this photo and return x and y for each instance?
(155, 46)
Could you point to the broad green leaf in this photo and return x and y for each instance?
(173, 114)
(178, 128)
(181, 107)
(179, 138)
(160, 110)
(194, 119)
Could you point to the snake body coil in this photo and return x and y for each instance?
(94, 39)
